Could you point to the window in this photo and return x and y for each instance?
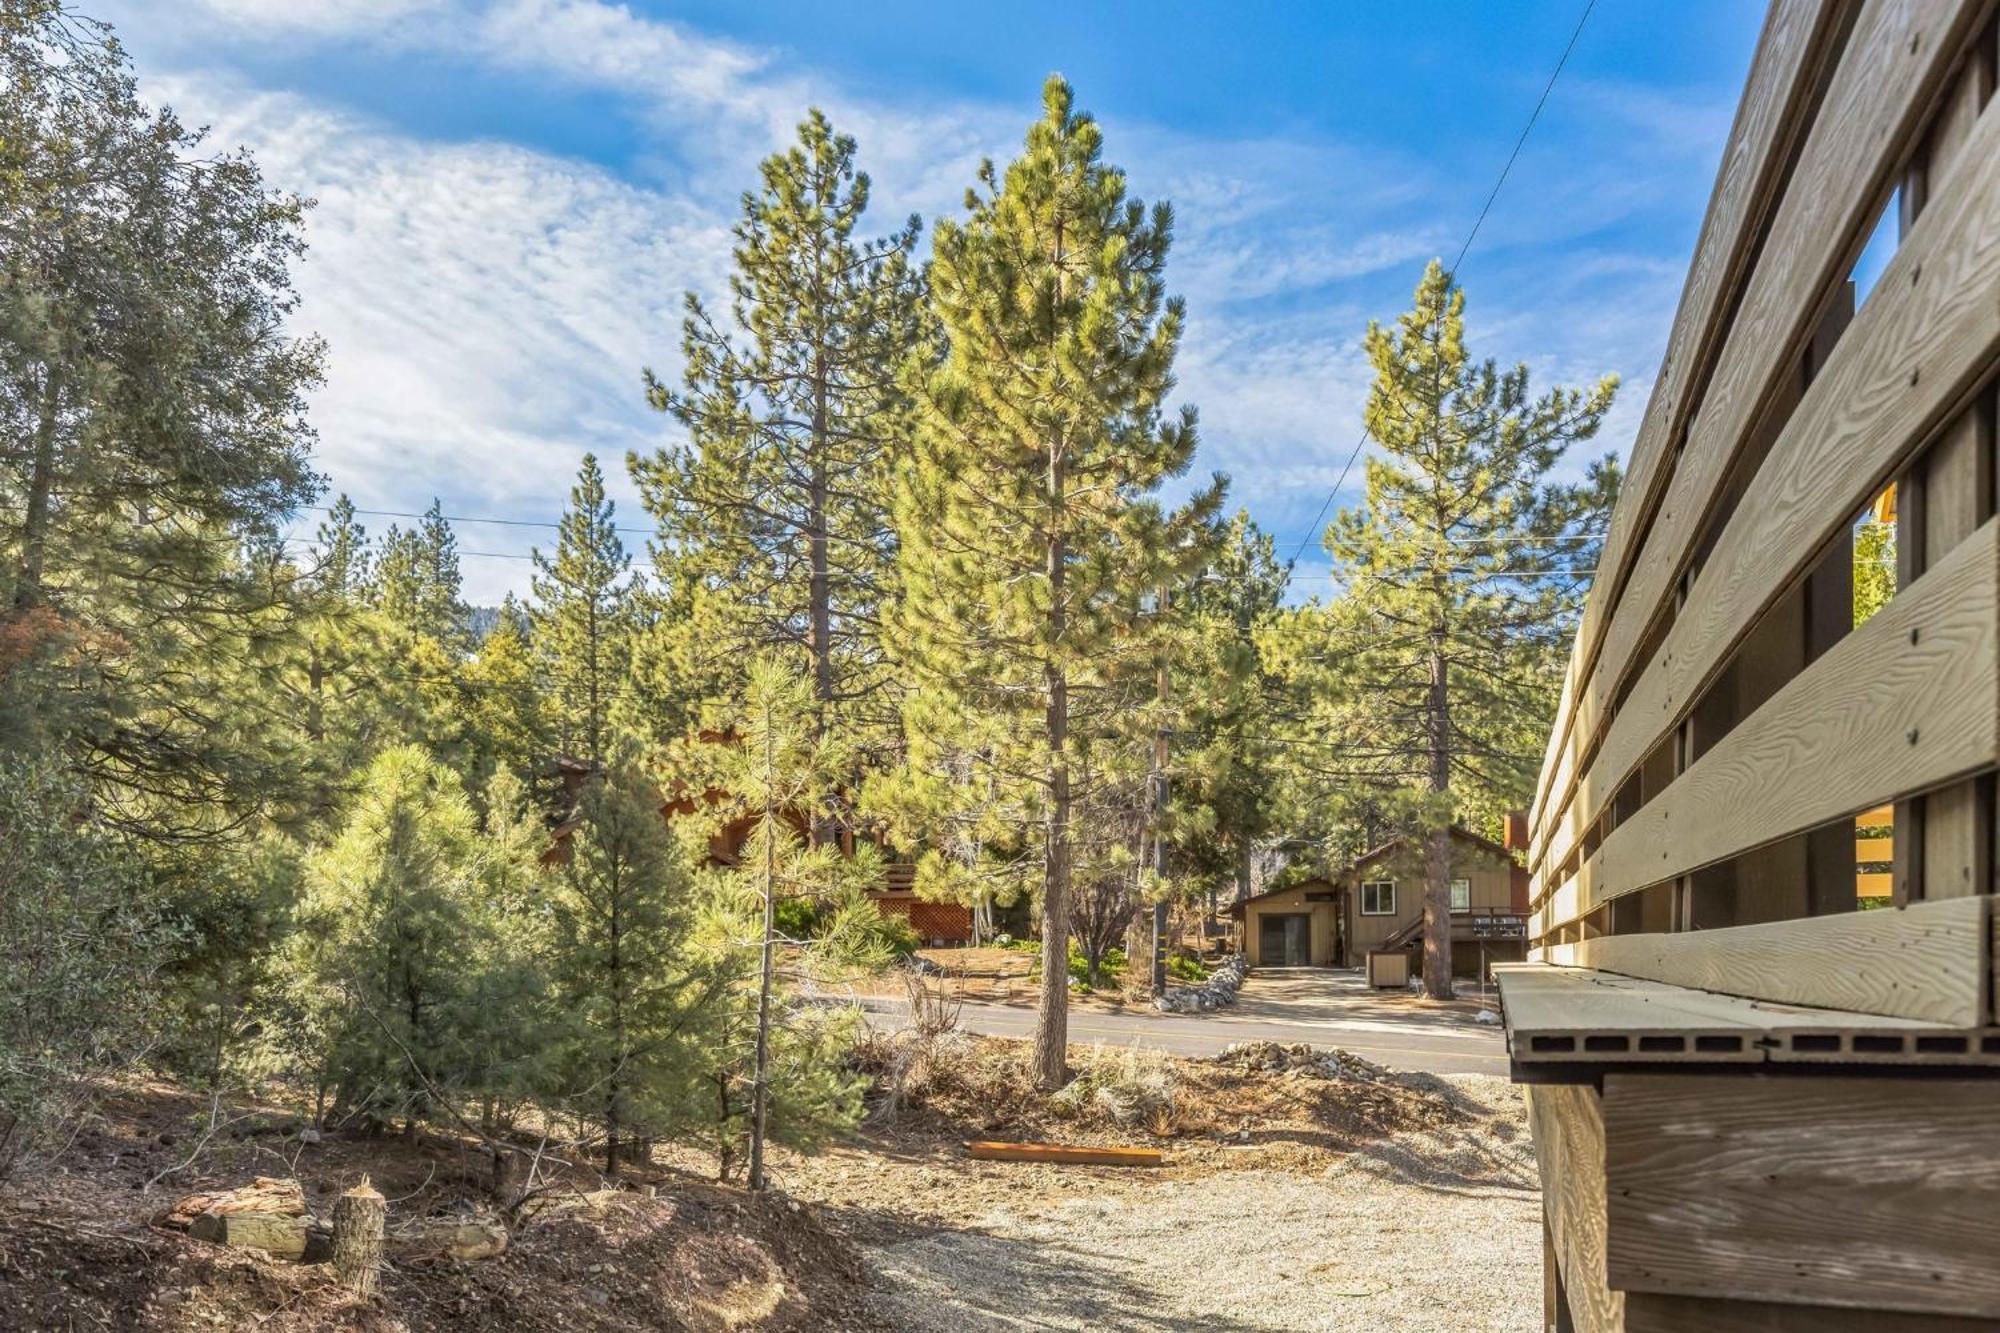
(1378, 897)
(1461, 895)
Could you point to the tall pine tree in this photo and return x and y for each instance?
(773, 515)
(1030, 546)
(582, 617)
(1438, 665)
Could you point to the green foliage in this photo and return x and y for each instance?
(79, 958)
(1874, 567)
(773, 514)
(1183, 968)
(632, 988)
(398, 949)
(1426, 685)
(153, 408)
(583, 618)
(1030, 535)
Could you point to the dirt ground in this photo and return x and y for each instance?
(993, 976)
(1301, 1189)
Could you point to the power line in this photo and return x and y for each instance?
(1456, 264)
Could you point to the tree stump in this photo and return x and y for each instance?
(358, 1218)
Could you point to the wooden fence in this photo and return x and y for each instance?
(1759, 1033)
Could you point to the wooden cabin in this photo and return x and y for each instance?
(1757, 1029)
(1377, 903)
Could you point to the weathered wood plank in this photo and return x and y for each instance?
(1868, 1193)
(1899, 55)
(1927, 961)
(1789, 63)
(1569, 1151)
(1650, 1312)
(1905, 703)
(1062, 1154)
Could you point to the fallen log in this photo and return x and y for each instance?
(449, 1238)
(1062, 1154)
(277, 1234)
(265, 1194)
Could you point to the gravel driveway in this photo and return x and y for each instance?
(1420, 1232)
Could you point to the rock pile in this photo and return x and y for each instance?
(1302, 1061)
(1224, 980)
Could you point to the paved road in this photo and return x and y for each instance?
(1325, 1007)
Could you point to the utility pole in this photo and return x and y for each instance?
(1160, 819)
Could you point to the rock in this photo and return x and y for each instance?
(283, 1235)
(1486, 1016)
(265, 1194)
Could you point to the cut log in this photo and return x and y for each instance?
(278, 1234)
(1062, 1154)
(265, 1194)
(464, 1238)
(358, 1216)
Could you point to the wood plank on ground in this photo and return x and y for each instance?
(1871, 1193)
(1926, 961)
(1062, 1154)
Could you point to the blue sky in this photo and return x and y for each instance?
(514, 195)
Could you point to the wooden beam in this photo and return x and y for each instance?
(1062, 1154)
(1559, 1014)
(1926, 961)
(1908, 702)
(1790, 65)
(1568, 1131)
(1899, 55)
(1866, 1193)
(1649, 1312)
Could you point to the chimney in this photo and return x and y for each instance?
(1515, 839)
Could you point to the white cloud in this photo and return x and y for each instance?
(488, 306)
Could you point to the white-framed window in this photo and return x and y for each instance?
(1461, 895)
(1378, 897)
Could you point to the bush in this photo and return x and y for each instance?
(897, 934)
(1183, 968)
(798, 918)
(1109, 968)
(81, 957)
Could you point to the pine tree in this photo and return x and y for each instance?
(631, 984)
(417, 582)
(582, 618)
(1029, 543)
(153, 403)
(391, 929)
(1226, 794)
(776, 1066)
(773, 516)
(507, 727)
(1438, 666)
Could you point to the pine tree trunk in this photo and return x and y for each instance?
(1052, 1019)
(1437, 858)
(41, 490)
(358, 1218)
(760, 1091)
(825, 827)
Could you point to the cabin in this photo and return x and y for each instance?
(1376, 904)
(934, 923)
(1756, 1031)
